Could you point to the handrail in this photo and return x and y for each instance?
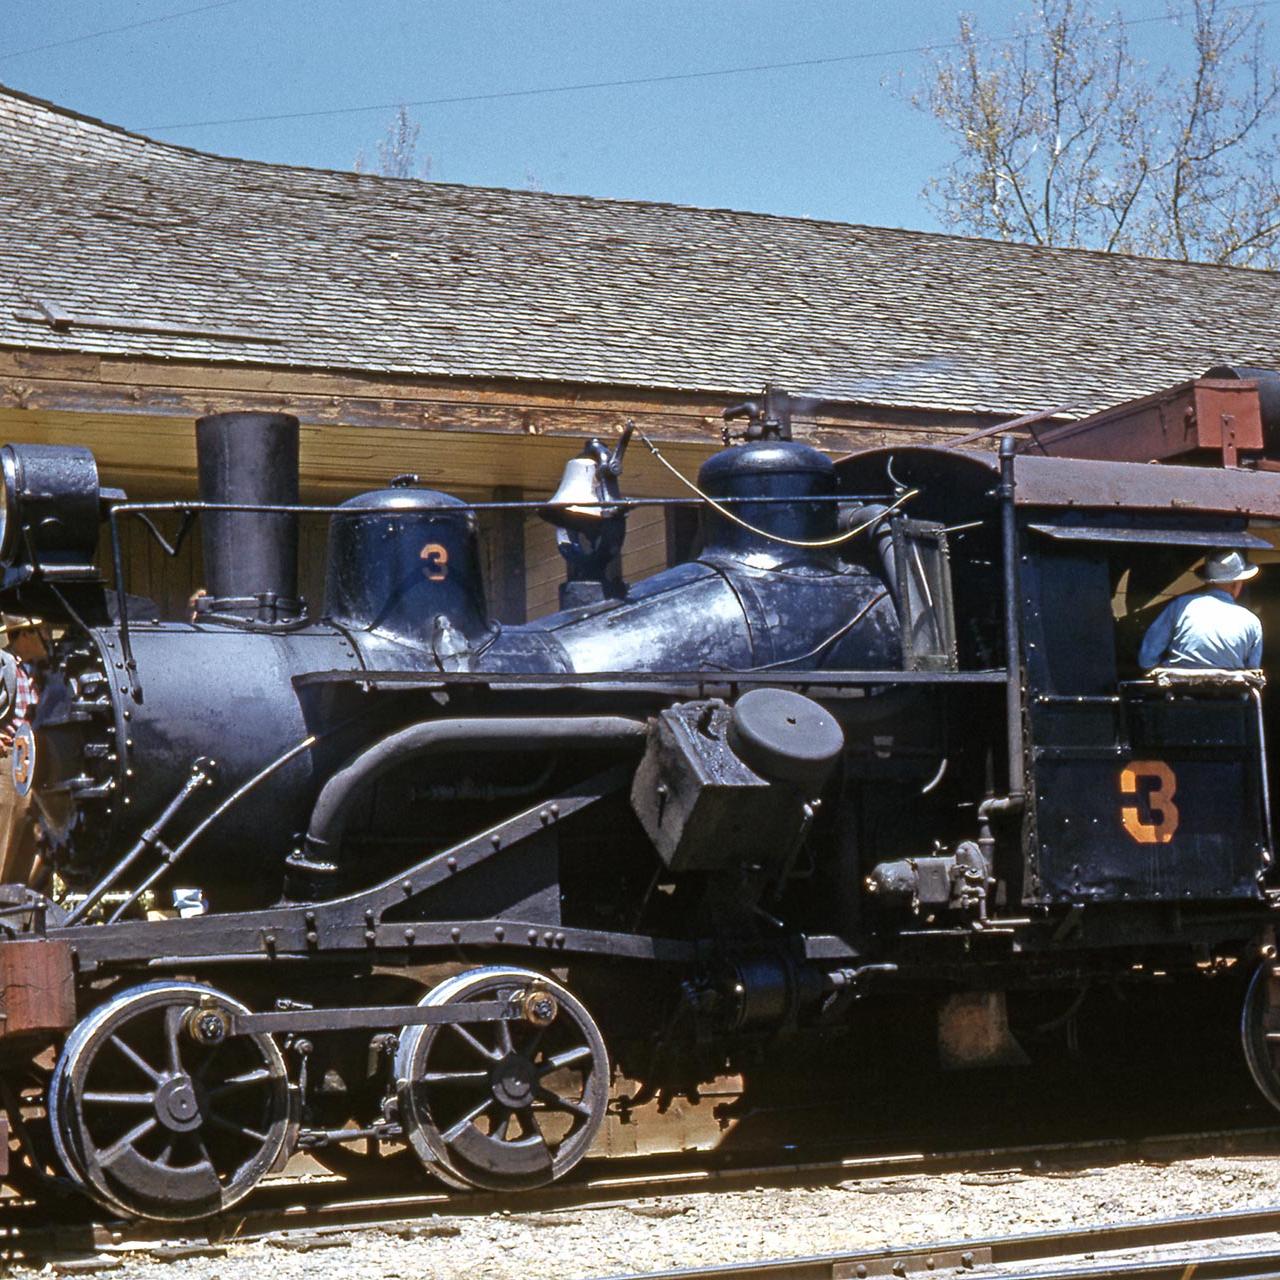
(189, 510)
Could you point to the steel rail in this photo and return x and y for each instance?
(326, 1207)
(1261, 1265)
(1066, 1247)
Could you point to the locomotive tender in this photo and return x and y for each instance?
(436, 882)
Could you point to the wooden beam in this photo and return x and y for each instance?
(152, 456)
(76, 383)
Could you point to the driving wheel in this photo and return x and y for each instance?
(157, 1111)
(508, 1104)
(1260, 1031)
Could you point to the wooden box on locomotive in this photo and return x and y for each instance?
(701, 804)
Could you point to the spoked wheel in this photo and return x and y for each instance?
(503, 1105)
(1260, 1031)
(35, 1171)
(157, 1112)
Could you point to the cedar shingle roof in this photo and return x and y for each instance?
(349, 271)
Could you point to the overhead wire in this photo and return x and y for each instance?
(112, 31)
(635, 81)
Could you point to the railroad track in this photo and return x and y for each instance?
(1166, 1244)
(315, 1213)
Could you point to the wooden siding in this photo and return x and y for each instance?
(169, 581)
(359, 429)
(150, 571)
(155, 457)
(544, 568)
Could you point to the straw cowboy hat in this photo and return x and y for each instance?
(11, 622)
(1224, 567)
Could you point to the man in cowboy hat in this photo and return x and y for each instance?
(1209, 627)
(27, 645)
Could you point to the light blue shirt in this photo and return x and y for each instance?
(1204, 629)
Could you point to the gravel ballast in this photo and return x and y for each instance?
(724, 1227)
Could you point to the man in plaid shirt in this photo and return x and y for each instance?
(24, 700)
(28, 644)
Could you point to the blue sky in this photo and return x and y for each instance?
(828, 142)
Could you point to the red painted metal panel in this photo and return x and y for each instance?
(1223, 415)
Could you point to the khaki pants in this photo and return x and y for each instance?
(17, 832)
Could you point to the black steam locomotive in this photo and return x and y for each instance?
(388, 873)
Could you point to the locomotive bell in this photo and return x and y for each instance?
(589, 492)
(576, 501)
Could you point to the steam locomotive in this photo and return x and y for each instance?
(389, 873)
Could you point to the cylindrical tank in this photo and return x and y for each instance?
(768, 469)
(717, 616)
(249, 458)
(402, 558)
(684, 619)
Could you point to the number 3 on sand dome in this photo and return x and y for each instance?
(435, 562)
(1161, 786)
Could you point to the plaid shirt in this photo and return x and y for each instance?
(25, 697)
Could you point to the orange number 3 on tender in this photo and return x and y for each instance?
(1163, 812)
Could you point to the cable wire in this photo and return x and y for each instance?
(764, 533)
(633, 81)
(111, 31)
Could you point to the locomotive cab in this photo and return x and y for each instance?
(1125, 792)
(1148, 788)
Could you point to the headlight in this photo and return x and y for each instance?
(49, 507)
(5, 504)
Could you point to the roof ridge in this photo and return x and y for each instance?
(586, 199)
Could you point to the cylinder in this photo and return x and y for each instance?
(250, 558)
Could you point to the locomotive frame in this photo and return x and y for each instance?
(710, 858)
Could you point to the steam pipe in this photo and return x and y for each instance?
(432, 737)
(201, 775)
(170, 857)
(880, 531)
(1269, 856)
(1012, 635)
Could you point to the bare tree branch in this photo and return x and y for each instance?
(397, 149)
(1062, 137)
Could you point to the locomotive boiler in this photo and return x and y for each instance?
(382, 874)
(139, 715)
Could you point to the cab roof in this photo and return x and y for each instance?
(958, 479)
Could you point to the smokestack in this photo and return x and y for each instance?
(250, 559)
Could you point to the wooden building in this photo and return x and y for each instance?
(476, 336)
